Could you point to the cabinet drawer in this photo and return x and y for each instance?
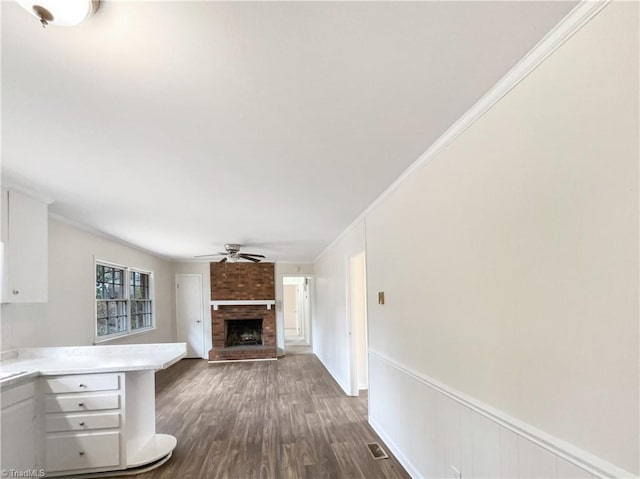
(82, 382)
(81, 403)
(82, 451)
(82, 422)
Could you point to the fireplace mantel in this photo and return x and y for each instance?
(243, 302)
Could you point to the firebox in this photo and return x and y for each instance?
(243, 332)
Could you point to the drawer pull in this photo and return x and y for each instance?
(80, 404)
(82, 423)
(82, 385)
(81, 453)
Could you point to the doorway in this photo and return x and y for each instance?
(189, 313)
(296, 312)
(357, 287)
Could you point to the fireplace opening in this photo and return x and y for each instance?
(243, 332)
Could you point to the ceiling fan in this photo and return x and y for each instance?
(233, 255)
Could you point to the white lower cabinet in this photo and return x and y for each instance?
(83, 423)
(18, 419)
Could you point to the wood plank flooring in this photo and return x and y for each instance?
(267, 420)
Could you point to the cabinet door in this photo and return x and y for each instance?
(26, 249)
(18, 436)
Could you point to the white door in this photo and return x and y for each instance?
(358, 323)
(290, 310)
(189, 313)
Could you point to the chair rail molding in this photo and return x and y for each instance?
(589, 462)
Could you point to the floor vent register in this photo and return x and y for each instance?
(376, 451)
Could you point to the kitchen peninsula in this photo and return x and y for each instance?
(83, 410)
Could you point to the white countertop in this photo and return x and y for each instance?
(32, 362)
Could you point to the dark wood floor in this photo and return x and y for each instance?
(271, 419)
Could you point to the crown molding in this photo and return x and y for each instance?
(578, 17)
(10, 182)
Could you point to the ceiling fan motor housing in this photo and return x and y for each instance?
(232, 248)
(233, 255)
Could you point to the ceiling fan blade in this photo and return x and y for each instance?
(223, 260)
(209, 255)
(254, 255)
(244, 256)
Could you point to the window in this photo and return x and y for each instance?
(140, 300)
(124, 300)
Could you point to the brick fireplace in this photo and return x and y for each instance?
(243, 317)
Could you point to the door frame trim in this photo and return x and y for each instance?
(279, 306)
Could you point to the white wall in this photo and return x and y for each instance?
(201, 268)
(281, 270)
(67, 319)
(508, 344)
(329, 321)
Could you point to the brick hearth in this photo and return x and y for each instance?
(238, 282)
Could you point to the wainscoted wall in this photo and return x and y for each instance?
(435, 431)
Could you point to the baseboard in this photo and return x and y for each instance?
(395, 450)
(346, 390)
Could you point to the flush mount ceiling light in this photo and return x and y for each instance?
(66, 13)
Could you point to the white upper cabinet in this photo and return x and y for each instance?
(24, 234)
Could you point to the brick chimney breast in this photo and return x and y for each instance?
(237, 282)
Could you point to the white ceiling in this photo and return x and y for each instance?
(180, 126)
